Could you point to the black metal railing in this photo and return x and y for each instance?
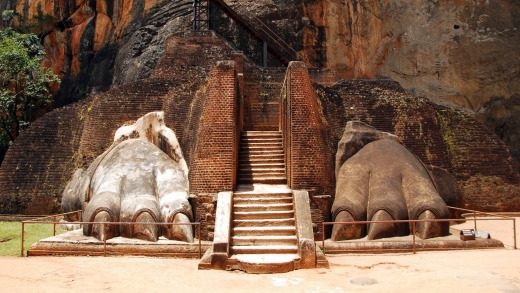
(204, 19)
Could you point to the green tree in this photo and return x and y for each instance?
(24, 83)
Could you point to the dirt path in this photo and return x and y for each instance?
(444, 271)
(471, 271)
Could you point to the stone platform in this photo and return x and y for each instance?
(405, 244)
(75, 243)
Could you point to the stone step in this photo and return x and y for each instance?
(261, 140)
(260, 161)
(266, 180)
(263, 201)
(254, 147)
(261, 165)
(247, 166)
(264, 222)
(260, 151)
(262, 158)
(260, 143)
(264, 249)
(262, 176)
(262, 195)
(259, 231)
(263, 240)
(264, 263)
(254, 139)
(263, 207)
(263, 215)
(260, 170)
(269, 101)
(261, 134)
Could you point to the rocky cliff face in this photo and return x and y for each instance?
(463, 54)
(456, 52)
(460, 53)
(93, 45)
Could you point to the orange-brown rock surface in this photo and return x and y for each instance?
(456, 52)
(83, 39)
(461, 53)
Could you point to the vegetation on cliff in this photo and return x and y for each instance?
(24, 83)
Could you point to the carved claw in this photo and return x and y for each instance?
(427, 230)
(344, 231)
(104, 231)
(381, 230)
(179, 232)
(149, 232)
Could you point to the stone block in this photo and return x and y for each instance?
(304, 227)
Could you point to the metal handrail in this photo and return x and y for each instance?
(277, 39)
(259, 30)
(105, 225)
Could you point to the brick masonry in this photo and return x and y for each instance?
(439, 136)
(42, 160)
(204, 211)
(309, 161)
(202, 106)
(215, 160)
(38, 165)
(261, 96)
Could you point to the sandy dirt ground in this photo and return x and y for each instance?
(496, 270)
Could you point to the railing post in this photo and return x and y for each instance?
(323, 237)
(413, 237)
(104, 240)
(475, 220)
(264, 53)
(514, 232)
(23, 238)
(54, 224)
(200, 253)
(80, 217)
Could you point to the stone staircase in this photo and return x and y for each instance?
(263, 223)
(263, 232)
(261, 158)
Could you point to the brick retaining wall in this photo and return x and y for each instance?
(214, 163)
(39, 163)
(309, 161)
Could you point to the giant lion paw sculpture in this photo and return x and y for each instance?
(135, 181)
(378, 179)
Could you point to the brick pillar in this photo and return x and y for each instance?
(311, 164)
(214, 164)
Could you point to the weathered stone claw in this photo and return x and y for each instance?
(179, 232)
(381, 230)
(104, 231)
(380, 179)
(149, 232)
(344, 231)
(427, 230)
